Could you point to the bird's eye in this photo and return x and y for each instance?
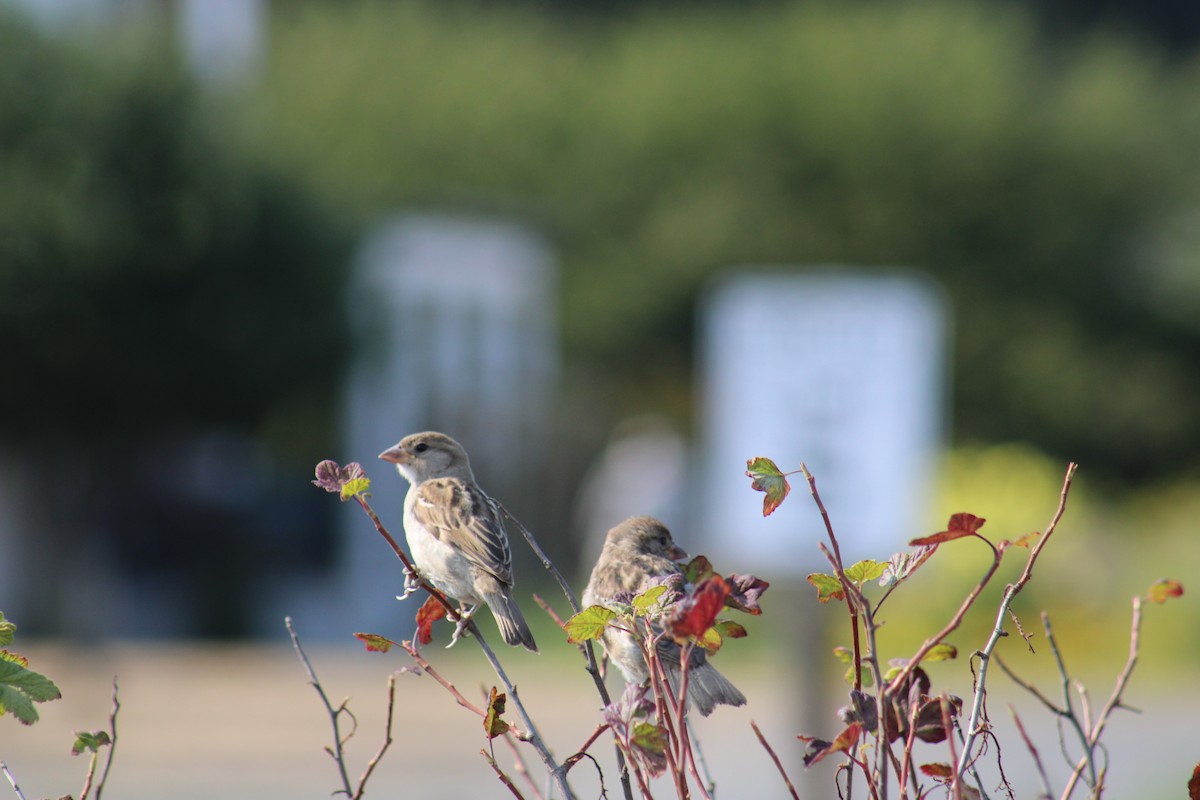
(421, 448)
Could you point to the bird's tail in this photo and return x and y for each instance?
(707, 688)
(510, 620)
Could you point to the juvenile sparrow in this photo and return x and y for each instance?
(454, 531)
(636, 552)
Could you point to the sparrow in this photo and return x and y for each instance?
(455, 532)
(635, 553)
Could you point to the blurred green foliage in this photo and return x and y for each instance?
(1049, 186)
(153, 274)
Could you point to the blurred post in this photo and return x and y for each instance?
(456, 331)
(843, 370)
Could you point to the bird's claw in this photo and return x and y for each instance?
(460, 627)
(412, 582)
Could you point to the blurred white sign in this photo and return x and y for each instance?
(841, 369)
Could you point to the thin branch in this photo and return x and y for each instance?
(112, 735)
(582, 751)
(1114, 700)
(778, 764)
(447, 685)
(1010, 592)
(1037, 759)
(1033, 690)
(11, 780)
(507, 781)
(519, 765)
(336, 753)
(387, 739)
(1069, 715)
(555, 770)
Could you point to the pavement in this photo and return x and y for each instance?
(206, 720)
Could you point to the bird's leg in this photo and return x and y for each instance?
(464, 618)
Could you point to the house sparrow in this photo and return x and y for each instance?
(636, 552)
(455, 533)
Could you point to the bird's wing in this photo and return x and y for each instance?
(459, 514)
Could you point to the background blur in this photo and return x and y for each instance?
(237, 238)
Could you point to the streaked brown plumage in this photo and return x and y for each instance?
(454, 530)
(636, 552)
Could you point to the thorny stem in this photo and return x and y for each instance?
(1010, 592)
(112, 735)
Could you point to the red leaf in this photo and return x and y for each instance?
(1194, 784)
(960, 525)
(428, 614)
(818, 749)
(940, 772)
(744, 593)
(696, 613)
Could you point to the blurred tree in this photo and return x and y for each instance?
(1035, 180)
(152, 277)
(168, 306)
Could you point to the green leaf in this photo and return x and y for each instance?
(864, 674)
(766, 477)
(697, 570)
(710, 640)
(865, 570)
(493, 726)
(1164, 590)
(7, 629)
(844, 654)
(21, 687)
(828, 586)
(92, 741)
(589, 624)
(942, 652)
(730, 629)
(375, 643)
(355, 487)
(649, 737)
(648, 599)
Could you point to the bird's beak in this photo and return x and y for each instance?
(677, 553)
(395, 455)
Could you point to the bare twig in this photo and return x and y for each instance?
(778, 764)
(1037, 759)
(555, 770)
(1069, 714)
(588, 652)
(507, 781)
(11, 780)
(1114, 702)
(1010, 592)
(519, 765)
(112, 744)
(387, 739)
(337, 752)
